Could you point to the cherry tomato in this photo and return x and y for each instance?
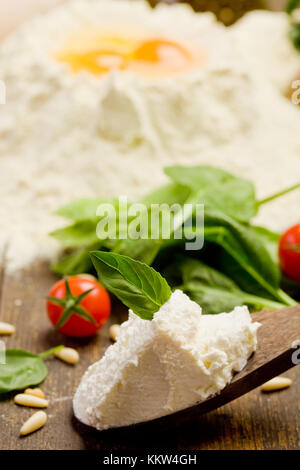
(78, 306)
(289, 253)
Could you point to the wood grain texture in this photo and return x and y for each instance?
(255, 421)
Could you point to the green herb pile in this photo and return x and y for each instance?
(237, 265)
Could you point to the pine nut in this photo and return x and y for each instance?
(36, 392)
(114, 331)
(68, 355)
(30, 400)
(7, 329)
(35, 422)
(277, 383)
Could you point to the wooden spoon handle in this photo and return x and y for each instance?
(277, 352)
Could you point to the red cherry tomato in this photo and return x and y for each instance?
(289, 253)
(78, 306)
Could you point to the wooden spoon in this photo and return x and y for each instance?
(277, 341)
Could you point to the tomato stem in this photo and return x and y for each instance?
(71, 305)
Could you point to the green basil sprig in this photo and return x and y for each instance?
(137, 285)
(23, 369)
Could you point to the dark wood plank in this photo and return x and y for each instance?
(254, 421)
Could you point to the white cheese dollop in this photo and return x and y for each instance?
(161, 366)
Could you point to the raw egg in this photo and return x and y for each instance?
(98, 54)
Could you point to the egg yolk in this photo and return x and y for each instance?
(99, 55)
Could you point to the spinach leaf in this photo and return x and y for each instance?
(246, 256)
(146, 250)
(246, 246)
(198, 177)
(270, 240)
(215, 292)
(81, 233)
(141, 250)
(171, 193)
(137, 285)
(78, 262)
(23, 369)
(81, 209)
(235, 198)
(218, 190)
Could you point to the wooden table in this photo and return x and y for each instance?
(255, 421)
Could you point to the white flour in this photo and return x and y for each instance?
(64, 136)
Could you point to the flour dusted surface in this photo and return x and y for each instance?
(65, 136)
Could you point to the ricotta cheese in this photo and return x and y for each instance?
(161, 366)
(66, 135)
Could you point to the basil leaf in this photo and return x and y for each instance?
(81, 209)
(218, 190)
(80, 233)
(22, 369)
(137, 285)
(215, 292)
